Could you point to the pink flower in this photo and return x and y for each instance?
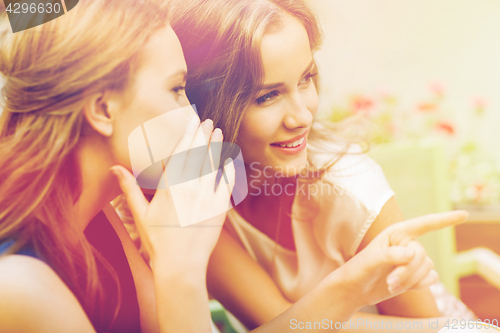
(446, 127)
(362, 103)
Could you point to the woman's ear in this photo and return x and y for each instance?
(98, 114)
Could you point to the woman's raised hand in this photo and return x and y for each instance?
(158, 222)
(395, 261)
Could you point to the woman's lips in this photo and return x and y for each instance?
(292, 147)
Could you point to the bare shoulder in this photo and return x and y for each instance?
(389, 214)
(34, 299)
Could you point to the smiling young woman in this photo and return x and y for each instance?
(74, 90)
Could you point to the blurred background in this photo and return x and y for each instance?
(426, 74)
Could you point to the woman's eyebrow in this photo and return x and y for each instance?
(272, 86)
(279, 84)
(181, 73)
(311, 64)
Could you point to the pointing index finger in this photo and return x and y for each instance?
(419, 226)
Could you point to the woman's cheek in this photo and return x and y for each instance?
(256, 127)
(312, 100)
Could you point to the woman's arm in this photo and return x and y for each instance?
(328, 303)
(245, 288)
(414, 304)
(34, 299)
(231, 267)
(247, 291)
(181, 299)
(407, 308)
(241, 285)
(260, 301)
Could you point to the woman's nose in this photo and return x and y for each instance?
(297, 113)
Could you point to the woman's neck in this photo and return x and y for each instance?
(268, 206)
(265, 189)
(99, 186)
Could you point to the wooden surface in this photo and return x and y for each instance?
(476, 293)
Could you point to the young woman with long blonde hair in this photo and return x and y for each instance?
(315, 199)
(74, 90)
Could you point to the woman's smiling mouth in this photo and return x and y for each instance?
(292, 146)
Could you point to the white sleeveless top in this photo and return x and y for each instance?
(345, 202)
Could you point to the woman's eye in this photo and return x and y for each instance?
(267, 97)
(179, 89)
(307, 79)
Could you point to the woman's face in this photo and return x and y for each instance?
(275, 127)
(157, 88)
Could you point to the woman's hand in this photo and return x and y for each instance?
(394, 261)
(180, 255)
(158, 222)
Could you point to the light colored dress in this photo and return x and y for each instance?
(328, 224)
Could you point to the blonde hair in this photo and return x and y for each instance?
(49, 73)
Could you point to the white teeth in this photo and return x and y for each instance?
(293, 144)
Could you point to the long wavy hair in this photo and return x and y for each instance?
(49, 72)
(221, 40)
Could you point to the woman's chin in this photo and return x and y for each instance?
(290, 169)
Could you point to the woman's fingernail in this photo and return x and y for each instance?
(208, 123)
(217, 134)
(392, 281)
(115, 171)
